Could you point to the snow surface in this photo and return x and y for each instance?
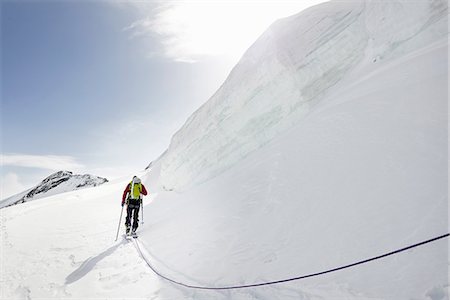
(358, 170)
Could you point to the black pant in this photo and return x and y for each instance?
(133, 211)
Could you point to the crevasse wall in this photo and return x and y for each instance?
(286, 71)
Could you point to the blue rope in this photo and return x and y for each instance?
(288, 279)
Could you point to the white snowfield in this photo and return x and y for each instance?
(354, 167)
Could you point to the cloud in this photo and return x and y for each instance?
(190, 30)
(11, 185)
(48, 162)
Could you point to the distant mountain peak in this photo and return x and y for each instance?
(56, 183)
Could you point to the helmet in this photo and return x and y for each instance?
(136, 179)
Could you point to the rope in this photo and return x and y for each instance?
(288, 279)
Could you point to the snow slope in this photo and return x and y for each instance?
(361, 172)
(59, 182)
(364, 174)
(287, 71)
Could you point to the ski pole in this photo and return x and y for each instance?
(120, 220)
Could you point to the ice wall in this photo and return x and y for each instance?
(286, 72)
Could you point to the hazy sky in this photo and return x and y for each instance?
(100, 87)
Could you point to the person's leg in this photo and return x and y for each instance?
(136, 217)
(128, 218)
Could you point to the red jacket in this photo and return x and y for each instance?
(128, 190)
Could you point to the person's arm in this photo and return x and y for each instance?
(144, 191)
(125, 192)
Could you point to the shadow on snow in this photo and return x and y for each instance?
(89, 264)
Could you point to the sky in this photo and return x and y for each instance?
(100, 87)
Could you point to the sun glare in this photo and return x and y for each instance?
(192, 29)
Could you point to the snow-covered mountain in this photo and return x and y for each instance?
(59, 182)
(327, 145)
